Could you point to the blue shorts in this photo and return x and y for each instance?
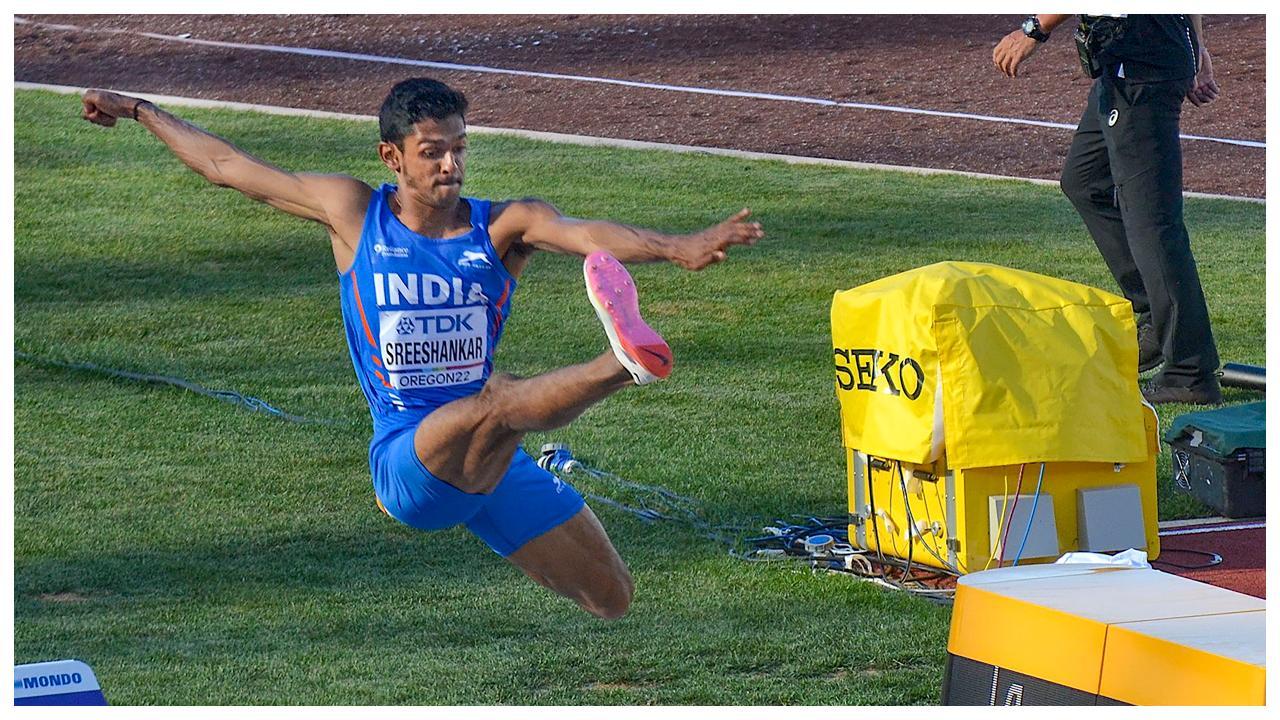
(527, 502)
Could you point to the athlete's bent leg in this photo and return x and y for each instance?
(469, 442)
(528, 515)
(577, 560)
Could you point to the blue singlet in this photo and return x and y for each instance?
(423, 317)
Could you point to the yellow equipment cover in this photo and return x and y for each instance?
(993, 365)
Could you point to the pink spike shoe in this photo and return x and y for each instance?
(640, 349)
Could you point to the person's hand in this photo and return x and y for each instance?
(1012, 51)
(104, 108)
(704, 248)
(1205, 89)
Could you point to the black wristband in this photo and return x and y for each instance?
(135, 108)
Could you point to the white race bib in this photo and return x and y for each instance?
(434, 348)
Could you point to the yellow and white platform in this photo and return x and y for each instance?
(1105, 635)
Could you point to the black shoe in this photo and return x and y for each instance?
(1150, 354)
(1206, 392)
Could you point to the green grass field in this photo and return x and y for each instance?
(193, 552)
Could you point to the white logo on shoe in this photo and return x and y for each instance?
(1111, 119)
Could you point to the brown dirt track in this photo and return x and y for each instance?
(938, 63)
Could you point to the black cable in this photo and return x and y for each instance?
(871, 501)
(892, 562)
(783, 540)
(911, 522)
(787, 545)
(932, 547)
(1214, 559)
(246, 401)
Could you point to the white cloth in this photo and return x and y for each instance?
(1128, 558)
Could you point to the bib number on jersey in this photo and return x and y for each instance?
(434, 348)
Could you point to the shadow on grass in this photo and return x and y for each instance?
(384, 556)
(288, 266)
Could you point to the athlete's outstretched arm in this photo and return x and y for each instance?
(328, 199)
(538, 224)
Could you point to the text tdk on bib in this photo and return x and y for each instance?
(435, 347)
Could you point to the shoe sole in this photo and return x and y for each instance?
(1166, 400)
(1166, 395)
(613, 294)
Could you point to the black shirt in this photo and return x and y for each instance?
(1150, 47)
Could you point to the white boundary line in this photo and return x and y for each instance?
(1195, 522)
(584, 140)
(1218, 528)
(457, 67)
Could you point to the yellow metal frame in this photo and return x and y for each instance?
(949, 507)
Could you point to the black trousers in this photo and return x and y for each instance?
(1124, 175)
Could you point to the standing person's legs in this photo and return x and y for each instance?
(1146, 161)
(1087, 182)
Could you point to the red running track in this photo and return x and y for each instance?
(1243, 567)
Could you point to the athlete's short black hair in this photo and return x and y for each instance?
(414, 100)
